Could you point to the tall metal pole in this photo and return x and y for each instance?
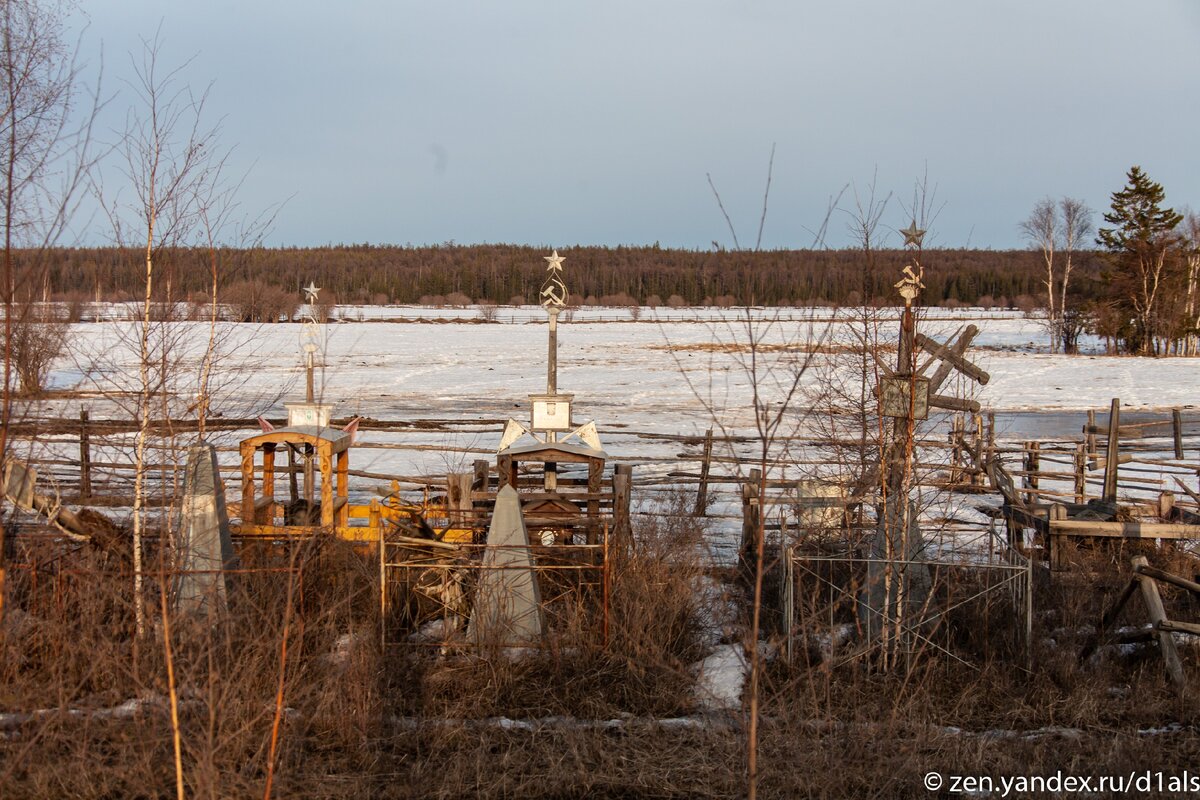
(552, 360)
(554, 299)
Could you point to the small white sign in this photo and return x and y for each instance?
(551, 412)
(317, 414)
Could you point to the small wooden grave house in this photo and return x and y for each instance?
(555, 505)
(263, 514)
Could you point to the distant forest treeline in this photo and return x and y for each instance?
(365, 274)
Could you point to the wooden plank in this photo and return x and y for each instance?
(1174, 626)
(1126, 530)
(955, 359)
(1158, 615)
(954, 403)
(1174, 580)
(958, 348)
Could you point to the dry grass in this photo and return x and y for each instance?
(415, 723)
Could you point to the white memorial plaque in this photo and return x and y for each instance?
(317, 414)
(551, 412)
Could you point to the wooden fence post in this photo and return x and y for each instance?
(1113, 457)
(1081, 473)
(1177, 425)
(957, 429)
(977, 474)
(991, 435)
(1090, 438)
(751, 516)
(85, 458)
(458, 498)
(705, 465)
(622, 491)
(1035, 463)
(1058, 556)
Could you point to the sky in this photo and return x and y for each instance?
(563, 123)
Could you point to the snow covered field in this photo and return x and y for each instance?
(623, 372)
(674, 371)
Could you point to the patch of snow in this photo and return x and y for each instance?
(721, 678)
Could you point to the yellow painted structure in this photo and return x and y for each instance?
(263, 516)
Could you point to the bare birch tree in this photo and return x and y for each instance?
(1191, 301)
(45, 153)
(1041, 228)
(167, 153)
(1076, 228)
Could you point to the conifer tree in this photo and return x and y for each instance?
(1140, 244)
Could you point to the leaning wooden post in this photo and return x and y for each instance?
(1158, 615)
(705, 465)
(1113, 457)
(85, 458)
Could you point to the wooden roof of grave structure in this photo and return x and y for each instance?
(566, 452)
(320, 438)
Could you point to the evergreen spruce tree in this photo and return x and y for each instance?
(1140, 244)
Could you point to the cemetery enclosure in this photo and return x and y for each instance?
(685, 486)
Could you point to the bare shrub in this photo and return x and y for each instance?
(458, 299)
(516, 300)
(653, 301)
(1027, 303)
(75, 302)
(675, 301)
(255, 301)
(618, 300)
(487, 311)
(36, 342)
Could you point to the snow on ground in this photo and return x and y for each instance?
(655, 375)
(674, 371)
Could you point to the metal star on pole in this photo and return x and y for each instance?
(913, 235)
(310, 293)
(555, 261)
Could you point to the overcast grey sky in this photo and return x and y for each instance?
(562, 123)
